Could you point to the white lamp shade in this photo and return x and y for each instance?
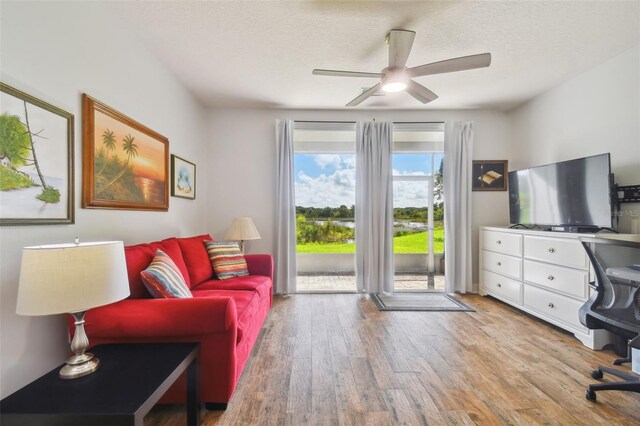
(242, 228)
(67, 278)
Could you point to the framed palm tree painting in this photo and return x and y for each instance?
(36, 161)
(125, 164)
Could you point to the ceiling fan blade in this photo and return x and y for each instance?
(400, 42)
(420, 92)
(337, 73)
(364, 95)
(452, 65)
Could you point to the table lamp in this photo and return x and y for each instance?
(72, 278)
(241, 229)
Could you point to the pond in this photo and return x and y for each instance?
(402, 225)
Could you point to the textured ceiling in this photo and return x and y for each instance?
(261, 53)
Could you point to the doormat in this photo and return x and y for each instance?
(435, 302)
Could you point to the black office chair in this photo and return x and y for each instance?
(614, 305)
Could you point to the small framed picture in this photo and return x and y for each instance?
(489, 175)
(183, 178)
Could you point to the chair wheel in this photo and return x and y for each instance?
(590, 395)
(596, 374)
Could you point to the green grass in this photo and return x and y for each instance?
(11, 180)
(412, 243)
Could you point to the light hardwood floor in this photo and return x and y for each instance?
(335, 359)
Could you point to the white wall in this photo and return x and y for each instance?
(243, 158)
(593, 113)
(55, 52)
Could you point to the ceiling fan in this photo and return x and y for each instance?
(397, 77)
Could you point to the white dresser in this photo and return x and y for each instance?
(545, 274)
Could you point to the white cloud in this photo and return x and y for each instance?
(324, 160)
(408, 173)
(410, 194)
(326, 190)
(333, 190)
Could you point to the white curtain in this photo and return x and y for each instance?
(458, 150)
(374, 207)
(285, 255)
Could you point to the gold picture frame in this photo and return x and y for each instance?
(125, 164)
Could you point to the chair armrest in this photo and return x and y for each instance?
(132, 318)
(260, 264)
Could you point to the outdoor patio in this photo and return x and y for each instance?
(347, 282)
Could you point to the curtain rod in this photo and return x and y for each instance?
(323, 121)
(353, 122)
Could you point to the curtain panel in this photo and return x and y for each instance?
(374, 207)
(285, 253)
(458, 152)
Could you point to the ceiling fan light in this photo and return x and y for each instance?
(394, 86)
(394, 81)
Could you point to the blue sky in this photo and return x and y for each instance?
(329, 179)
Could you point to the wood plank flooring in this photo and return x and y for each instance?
(329, 359)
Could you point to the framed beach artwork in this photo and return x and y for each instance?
(489, 175)
(125, 164)
(183, 178)
(36, 161)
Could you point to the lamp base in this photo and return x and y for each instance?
(79, 365)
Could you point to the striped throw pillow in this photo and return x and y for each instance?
(227, 260)
(163, 279)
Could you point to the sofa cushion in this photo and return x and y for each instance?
(227, 259)
(163, 279)
(196, 258)
(258, 283)
(140, 256)
(247, 306)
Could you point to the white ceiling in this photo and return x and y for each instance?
(261, 53)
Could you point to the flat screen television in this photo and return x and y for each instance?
(570, 194)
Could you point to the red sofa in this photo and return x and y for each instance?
(225, 316)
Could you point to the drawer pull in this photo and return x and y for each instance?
(551, 250)
(499, 285)
(499, 263)
(551, 305)
(550, 277)
(499, 242)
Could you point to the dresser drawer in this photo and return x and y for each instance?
(566, 280)
(502, 286)
(556, 306)
(566, 252)
(502, 242)
(502, 264)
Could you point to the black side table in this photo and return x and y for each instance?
(129, 382)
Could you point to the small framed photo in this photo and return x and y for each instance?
(183, 178)
(489, 175)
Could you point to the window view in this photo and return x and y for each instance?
(325, 187)
(418, 206)
(418, 220)
(325, 173)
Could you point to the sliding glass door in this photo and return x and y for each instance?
(325, 173)
(418, 206)
(324, 167)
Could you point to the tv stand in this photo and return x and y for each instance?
(545, 274)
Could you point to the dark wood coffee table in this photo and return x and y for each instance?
(129, 382)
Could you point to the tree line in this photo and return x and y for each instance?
(413, 214)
